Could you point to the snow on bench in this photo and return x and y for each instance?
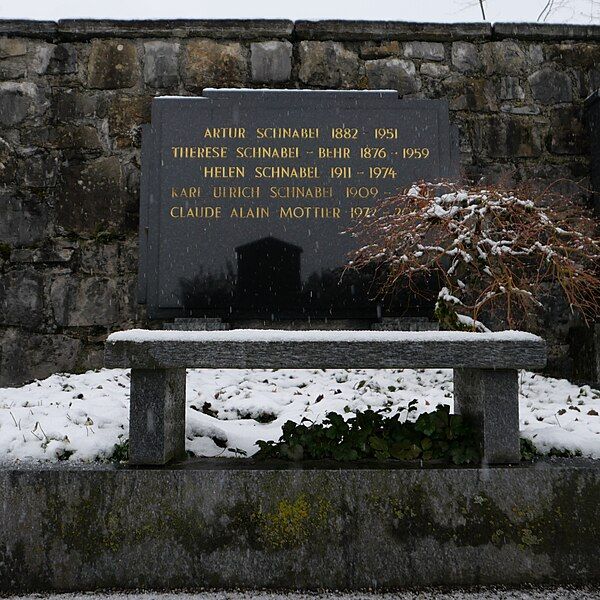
(274, 349)
(485, 373)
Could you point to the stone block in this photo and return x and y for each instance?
(520, 110)
(13, 68)
(157, 416)
(92, 196)
(11, 47)
(9, 161)
(63, 60)
(14, 58)
(370, 50)
(20, 58)
(60, 253)
(84, 302)
(424, 50)
(271, 62)
(19, 101)
(327, 64)
(475, 95)
(21, 298)
(465, 56)
(490, 400)
(549, 86)
(25, 356)
(511, 137)
(510, 89)
(572, 54)
(80, 137)
(535, 54)
(129, 255)
(568, 134)
(113, 64)
(506, 57)
(125, 116)
(584, 347)
(69, 105)
(24, 221)
(393, 73)
(90, 357)
(100, 258)
(161, 64)
(435, 70)
(38, 171)
(41, 54)
(207, 63)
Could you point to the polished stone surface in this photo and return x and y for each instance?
(224, 234)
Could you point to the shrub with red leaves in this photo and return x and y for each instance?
(495, 250)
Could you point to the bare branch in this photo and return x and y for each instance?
(545, 12)
(494, 249)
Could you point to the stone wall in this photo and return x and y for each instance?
(74, 93)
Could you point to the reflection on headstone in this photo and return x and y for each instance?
(268, 276)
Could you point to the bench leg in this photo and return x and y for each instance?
(156, 416)
(490, 399)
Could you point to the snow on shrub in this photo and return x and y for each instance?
(491, 249)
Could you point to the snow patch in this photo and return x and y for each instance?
(81, 417)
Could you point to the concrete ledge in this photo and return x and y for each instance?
(250, 29)
(546, 31)
(243, 29)
(390, 30)
(226, 523)
(28, 28)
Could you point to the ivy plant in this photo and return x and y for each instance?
(372, 434)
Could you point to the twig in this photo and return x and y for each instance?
(482, 10)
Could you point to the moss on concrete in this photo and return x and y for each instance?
(293, 522)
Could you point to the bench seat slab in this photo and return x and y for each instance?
(477, 353)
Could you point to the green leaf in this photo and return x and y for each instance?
(378, 444)
(405, 451)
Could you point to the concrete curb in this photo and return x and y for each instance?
(231, 523)
(258, 29)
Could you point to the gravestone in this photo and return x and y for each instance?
(248, 196)
(592, 104)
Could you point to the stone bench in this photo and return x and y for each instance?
(485, 374)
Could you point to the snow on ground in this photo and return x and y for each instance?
(82, 417)
(529, 593)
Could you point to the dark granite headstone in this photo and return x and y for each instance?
(246, 195)
(592, 105)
